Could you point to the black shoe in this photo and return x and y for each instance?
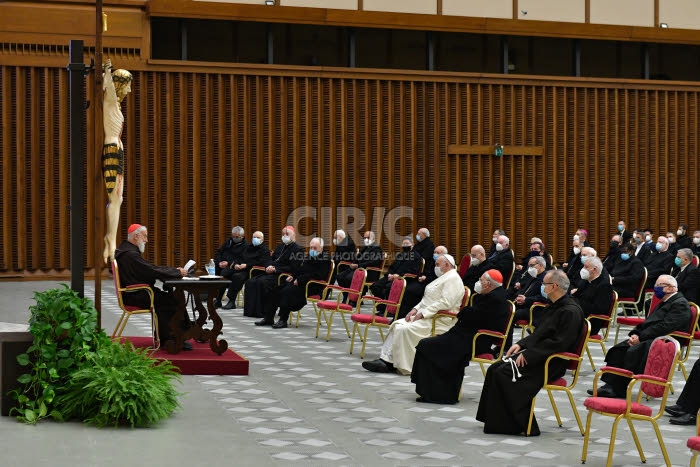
(378, 366)
(279, 325)
(606, 391)
(263, 322)
(675, 410)
(186, 346)
(685, 419)
(217, 303)
(229, 306)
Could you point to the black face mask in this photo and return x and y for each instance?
(614, 244)
(406, 248)
(236, 239)
(534, 253)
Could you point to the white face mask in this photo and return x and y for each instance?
(368, 241)
(576, 237)
(696, 240)
(577, 250)
(477, 287)
(499, 247)
(286, 239)
(495, 239)
(475, 261)
(532, 271)
(585, 274)
(679, 232)
(438, 271)
(142, 246)
(648, 238)
(671, 239)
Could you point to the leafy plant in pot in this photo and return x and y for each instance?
(76, 371)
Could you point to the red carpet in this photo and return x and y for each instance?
(198, 361)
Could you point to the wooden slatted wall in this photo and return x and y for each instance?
(206, 151)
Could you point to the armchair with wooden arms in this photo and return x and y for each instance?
(380, 321)
(655, 382)
(128, 310)
(501, 336)
(446, 315)
(560, 384)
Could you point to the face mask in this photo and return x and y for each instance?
(677, 261)
(286, 239)
(142, 246)
(475, 261)
(435, 256)
(659, 291)
(671, 239)
(679, 232)
(368, 242)
(495, 239)
(256, 241)
(648, 238)
(406, 248)
(614, 244)
(625, 256)
(499, 247)
(532, 271)
(696, 240)
(534, 253)
(542, 292)
(313, 253)
(659, 246)
(638, 240)
(438, 271)
(237, 239)
(584, 259)
(620, 228)
(477, 287)
(576, 237)
(585, 274)
(577, 250)
(418, 239)
(335, 241)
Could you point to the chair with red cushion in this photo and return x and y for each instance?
(313, 299)
(501, 336)
(598, 338)
(686, 338)
(561, 384)
(655, 382)
(694, 442)
(528, 324)
(633, 321)
(630, 303)
(128, 310)
(327, 308)
(380, 321)
(464, 265)
(443, 315)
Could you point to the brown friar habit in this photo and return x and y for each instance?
(505, 405)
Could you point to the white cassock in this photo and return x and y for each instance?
(444, 293)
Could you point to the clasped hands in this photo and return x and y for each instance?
(520, 360)
(413, 315)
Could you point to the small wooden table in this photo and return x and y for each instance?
(196, 288)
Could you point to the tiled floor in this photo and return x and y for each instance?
(309, 402)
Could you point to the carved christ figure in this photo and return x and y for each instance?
(117, 85)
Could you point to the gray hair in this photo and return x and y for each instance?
(407, 238)
(259, 232)
(588, 250)
(424, 231)
(238, 230)
(372, 236)
(560, 278)
(320, 241)
(340, 232)
(670, 279)
(687, 253)
(596, 263)
(540, 260)
(507, 239)
(137, 231)
(442, 249)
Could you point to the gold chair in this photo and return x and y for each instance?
(449, 315)
(602, 335)
(655, 382)
(560, 384)
(525, 325)
(501, 336)
(354, 293)
(631, 302)
(694, 442)
(313, 299)
(128, 310)
(686, 338)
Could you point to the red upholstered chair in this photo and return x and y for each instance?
(527, 324)
(655, 382)
(464, 265)
(380, 321)
(630, 303)
(128, 310)
(488, 358)
(561, 384)
(694, 442)
(633, 321)
(379, 269)
(313, 299)
(327, 308)
(686, 338)
(446, 315)
(506, 280)
(598, 338)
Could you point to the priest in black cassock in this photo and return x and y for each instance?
(505, 405)
(438, 369)
(286, 258)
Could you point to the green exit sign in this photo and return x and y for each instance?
(498, 150)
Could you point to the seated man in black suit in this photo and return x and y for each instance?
(370, 255)
(687, 275)
(595, 292)
(345, 250)
(438, 368)
(408, 261)
(613, 255)
(641, 249)
(477, 267)
(502, 259)
(696, 243)
(684, 412)
(226, 255)
(658, 261)
(682, 239)
(627, 272)
(424, 246)
(573, 263)
(254, 254)
(671, 314)
(625, 235)
(529, 293)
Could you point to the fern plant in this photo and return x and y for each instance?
(122, 385)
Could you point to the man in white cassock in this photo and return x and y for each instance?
(399, 348)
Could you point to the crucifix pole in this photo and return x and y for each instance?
(99, 198)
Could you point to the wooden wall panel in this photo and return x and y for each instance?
(207, 151)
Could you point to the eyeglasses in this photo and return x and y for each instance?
(664, 285)
(549, 283)
(532, 265)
